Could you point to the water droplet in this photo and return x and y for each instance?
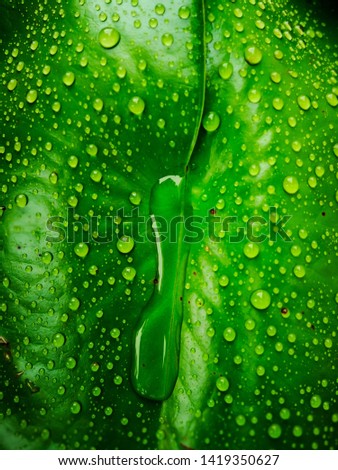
(31, 96)
(297, 431)
(315, 401)
(129, 273)
(46, 257)
(96, 176)
(253, 55)
(115, 333)
(332, 99)
(290, 185)
(159, 9)
(11, 85)
(75, 407)
(73, 161)
(59, 340)
(304, 102)
(125, 244)
(222, 383)
(223, 280)
(254, 96)
(98, 104)
(184, 12)
(225, 70)
(92, 150)
(71, 363)
(21, 200)
(251, 250)
(53, 177)
(74, 304)
(299, 271)
(260, 299)
(167, 39)
(278, 104)
(68, 78)
(81, 250)
(109, 38)
(135, 198)
(229, 334)
(328, 343)
(211, 121)
(275, 431)
(136, 105)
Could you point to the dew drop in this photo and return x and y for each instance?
(290, 185)
(21, 200)
(75, 408)
(71, 363)
(254, 96)
(222, 383)
(211, 121)
(332, 99)
(135, 198)
(73, 161)
(115, 333)
(68, 78)
(11, 85)
(81, 250)
(74, 304)
(251, 250)
(136, 105)
(98, 104)
(275, 431)
(260, 299)
(96, 176)
(223, 281)
(184, 12)
(304, 102)
(129, 273)
(299, 271)
(315, 401)
(125, 244)
(31, 96)
(253, 55)
(46, 257)
(225, 70)
(229, 334)
(167, 39)
(59, 340)
(109, 38)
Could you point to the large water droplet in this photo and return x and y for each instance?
(253, 55)
(109, 38)
(290, 185)
(136, 105)
(260, 299)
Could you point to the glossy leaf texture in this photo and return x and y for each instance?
(99, 100)
(259, 339)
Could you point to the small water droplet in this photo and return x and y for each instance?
(129, 273)
(135, 198)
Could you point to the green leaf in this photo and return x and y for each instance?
(258, 339)
(101, 100)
